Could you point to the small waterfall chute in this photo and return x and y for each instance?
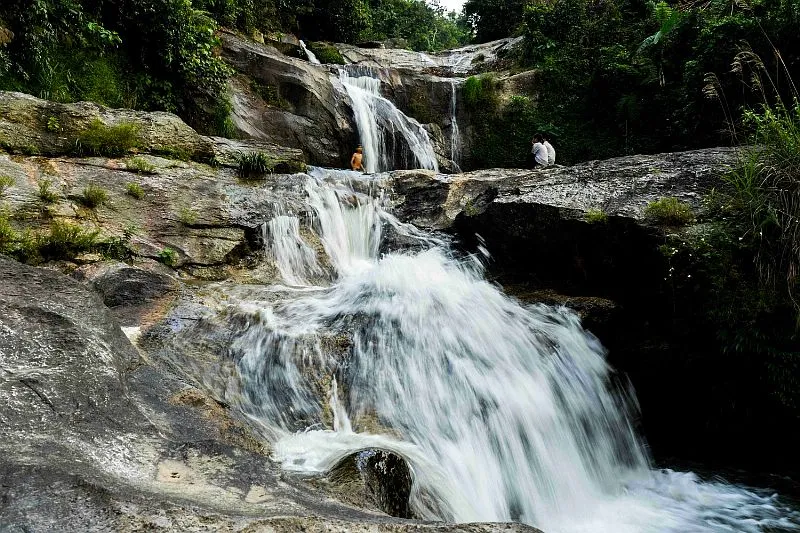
(455, 135)
(309, 54)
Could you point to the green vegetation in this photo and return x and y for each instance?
(596, 215)
(187, 216)
(93, 196)
(6, 182)
(254, 165)
(135, 190)
(62, 240)
(8, 236)
(139, 165)
(162, 54)
(45, 194)
(53, 125)
(270, 95)
(669, 211)
(168, 256)
(112, 141)
(326, 53)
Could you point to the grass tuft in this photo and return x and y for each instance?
(135, 190)
(596, 216)
(93, 196)
(254, 165)
(6, 182)
(46, 194)
(139, 165)
(669, 211)
(111, 141)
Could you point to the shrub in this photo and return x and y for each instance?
(766, 192)
(168, 256)
(254, 165)
(326, 53)
(45, 194)
(270, 95)
(187, 217)
(135, 190)
(596, 216)
(6, 182)
(53, 125)
(669, 211)
(480, 93)
(63, 241)
(139, 165)
(93, 196)
(112, 141)
(8, 237)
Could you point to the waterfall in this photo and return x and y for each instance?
(455, 135)
(504, 411)
(387, 135)
(309, 54)
(295, 260)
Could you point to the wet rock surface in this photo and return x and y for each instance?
(96, 437)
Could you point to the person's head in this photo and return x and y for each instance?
(359, 150)
(538, 138)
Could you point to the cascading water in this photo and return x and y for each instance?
(503, 411)
(386, 133)
(309, 54)
(455, 135)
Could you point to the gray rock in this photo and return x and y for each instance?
(308, 108)
(621, 187)
(456, 62)
(121, 284)
(93, 437)
(32, 126)
(206, 215)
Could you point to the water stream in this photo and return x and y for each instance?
(455, 135)
(391, 140)
(309, 54)
(504, 411)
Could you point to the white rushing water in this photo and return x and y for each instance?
(455, 135)
(309, 54)
(385, 132)
(503, 411)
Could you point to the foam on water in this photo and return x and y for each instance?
(503, 411)
(383, 129)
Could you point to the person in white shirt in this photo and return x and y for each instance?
(539, 151)
(551, 152)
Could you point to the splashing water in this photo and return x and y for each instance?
(387, 135)
(504, 412)
(309, 54)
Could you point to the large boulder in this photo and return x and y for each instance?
(32, 126)
(289, 101)
(200, 219)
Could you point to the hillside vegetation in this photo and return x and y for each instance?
(161, 54)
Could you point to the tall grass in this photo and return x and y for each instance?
(765, 184)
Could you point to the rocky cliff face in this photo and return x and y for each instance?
(289, 101)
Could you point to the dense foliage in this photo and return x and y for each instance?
(161, 54)
(628, 76)
(421, 25)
